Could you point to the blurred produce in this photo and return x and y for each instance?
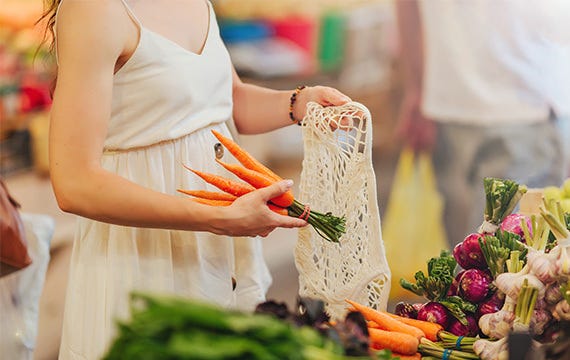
(561, 194)
(299, 38)
(167, 327)
(26, 70)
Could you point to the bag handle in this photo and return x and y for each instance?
(329, 119)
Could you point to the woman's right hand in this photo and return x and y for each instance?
(250, 216)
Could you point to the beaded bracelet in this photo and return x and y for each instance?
(292, 101)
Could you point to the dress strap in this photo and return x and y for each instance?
(127, 7)
(132, 14)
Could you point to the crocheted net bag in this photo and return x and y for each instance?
(337, 176)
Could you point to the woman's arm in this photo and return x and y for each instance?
(87, 52)
(259, 110)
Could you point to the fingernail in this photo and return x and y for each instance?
(288, 183)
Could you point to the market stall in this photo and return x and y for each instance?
(502, 293)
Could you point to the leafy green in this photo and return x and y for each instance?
(168, 327)
(164, 327)
(501, 196)
(436, 284)
(497, 250)
(458, 307)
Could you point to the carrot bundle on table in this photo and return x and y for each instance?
(402, 336)
(257, 176)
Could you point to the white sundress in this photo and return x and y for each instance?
(166, 100)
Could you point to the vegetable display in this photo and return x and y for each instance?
(511, 275)
(435, 287)
(257, 176)
(170, 327)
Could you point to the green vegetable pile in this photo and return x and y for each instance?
(166, 327)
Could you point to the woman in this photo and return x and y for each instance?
(140, 86)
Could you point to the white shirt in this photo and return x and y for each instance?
(489, 61)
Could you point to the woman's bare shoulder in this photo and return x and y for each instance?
(99, 24)
(99, 13)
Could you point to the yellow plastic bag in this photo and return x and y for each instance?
(413, 231)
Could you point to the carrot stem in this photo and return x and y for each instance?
(328, 226)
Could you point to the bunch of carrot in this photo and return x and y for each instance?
(257, 176)
(398, 334)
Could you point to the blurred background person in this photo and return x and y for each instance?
(486, 91)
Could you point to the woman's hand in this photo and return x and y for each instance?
(250, 216)
(323, 95)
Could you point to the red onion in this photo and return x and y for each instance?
(457, 328)
(452, 291)
(418, 306)
(474, 285)
(491, 305)
(406, 310)
(468, 253)
(512, 224)
(434, 312)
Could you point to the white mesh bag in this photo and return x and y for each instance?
(338, 177)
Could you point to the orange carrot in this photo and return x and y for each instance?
(386, 322)
(416, 356)
(395, 355)
(401, 343)
(212, 195)
(232, 187)
(430, 329)
(245, 158)
(278, 209)
(212, 202)
(258, 181)
(372, 324)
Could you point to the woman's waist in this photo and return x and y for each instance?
(131, 138)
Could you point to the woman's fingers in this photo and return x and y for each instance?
(334, 97)
(275, 190)
(272, 191)
(260, 220)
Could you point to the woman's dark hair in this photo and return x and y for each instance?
(49, 14)
(50, 10)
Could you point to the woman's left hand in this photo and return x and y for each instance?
(323, 95)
